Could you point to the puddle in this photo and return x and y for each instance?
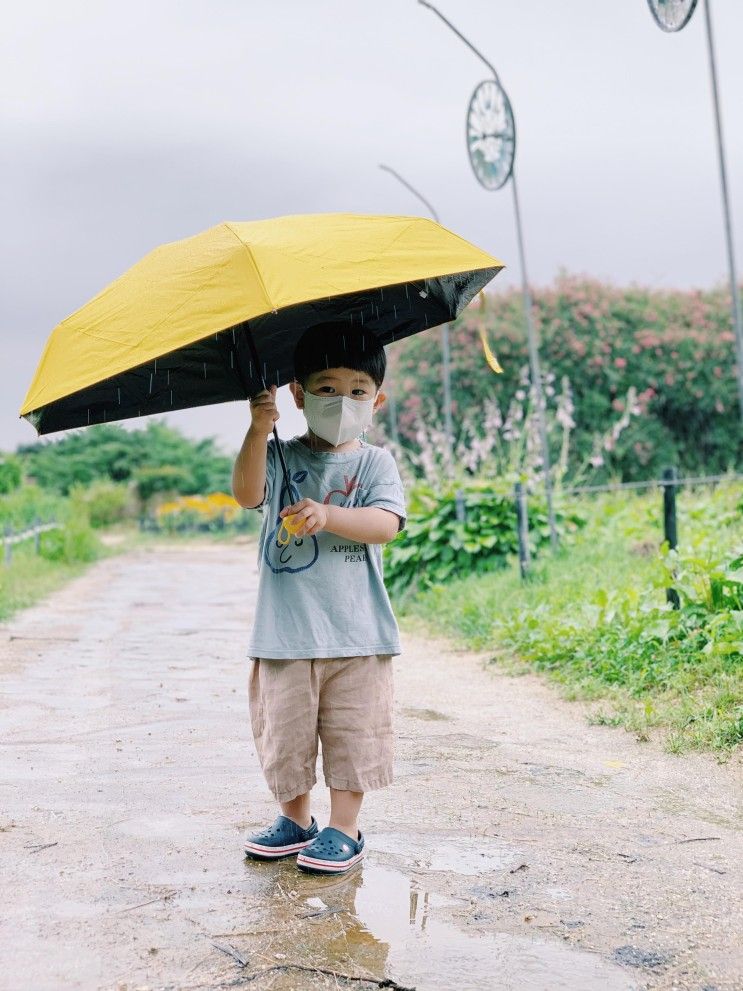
(465, 856)
(431, 715)
(382, 921)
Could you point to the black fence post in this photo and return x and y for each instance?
(670, 531)
(522, 521)
(459, 506)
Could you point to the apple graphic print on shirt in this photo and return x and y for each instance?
(350, 485)
(300, 553)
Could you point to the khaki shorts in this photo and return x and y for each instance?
(346, 701)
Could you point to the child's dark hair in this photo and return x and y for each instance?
(333, 345)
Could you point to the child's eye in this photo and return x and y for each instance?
(327, 388)
(359, 392)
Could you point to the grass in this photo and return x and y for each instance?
(594, 618)
(29, 578)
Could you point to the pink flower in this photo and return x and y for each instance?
(620, 362)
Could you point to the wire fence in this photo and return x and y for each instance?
(11, 537)
(669, 483)
(652, 483)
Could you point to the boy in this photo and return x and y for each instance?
(324, 632)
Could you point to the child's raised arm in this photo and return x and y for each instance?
(249, 473)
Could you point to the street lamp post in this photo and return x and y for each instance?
(479, 164)
(734, 290)
(672, 16)
(445, 346)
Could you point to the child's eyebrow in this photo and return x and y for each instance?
(362, 379)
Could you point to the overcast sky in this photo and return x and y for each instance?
(128, 124)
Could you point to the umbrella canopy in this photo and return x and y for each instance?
(213, 317)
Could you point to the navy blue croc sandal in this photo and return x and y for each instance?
(283, 839)
(332, 852)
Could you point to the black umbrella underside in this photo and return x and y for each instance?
(221, 368)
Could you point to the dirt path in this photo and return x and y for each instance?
(519, 848)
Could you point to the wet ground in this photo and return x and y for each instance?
(519, 848)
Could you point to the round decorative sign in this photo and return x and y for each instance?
(672, 15)
(491, 135)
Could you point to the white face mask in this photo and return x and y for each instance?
(337, 419)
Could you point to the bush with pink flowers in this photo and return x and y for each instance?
(673, 351)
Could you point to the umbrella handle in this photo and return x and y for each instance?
(282, 459)
(258, 366)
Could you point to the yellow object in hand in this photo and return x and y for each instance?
(289, 525)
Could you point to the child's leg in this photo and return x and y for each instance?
(344, 811)
(283, 697)
(355, 724)
(298, 809)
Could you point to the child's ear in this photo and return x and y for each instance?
(298, 392)
(380, 400)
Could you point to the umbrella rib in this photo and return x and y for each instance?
(255, 267)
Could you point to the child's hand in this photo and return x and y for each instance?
(263, 411)
(313, 515)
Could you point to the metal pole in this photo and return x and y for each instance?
(264, 386)
(445, 343)
(670, 531)
(531, 336)
(536, 371)
(734, 291)
(522, 527)
(446, 376)
(458, 33)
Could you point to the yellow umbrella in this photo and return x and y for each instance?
(186, 325)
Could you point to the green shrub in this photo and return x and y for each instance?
(633, 637)
(674, 348)
(104, 502)
(435, 546)
(11, 473)
(74, 542)
(22, 507)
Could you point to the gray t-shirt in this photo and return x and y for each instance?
(323, 596)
